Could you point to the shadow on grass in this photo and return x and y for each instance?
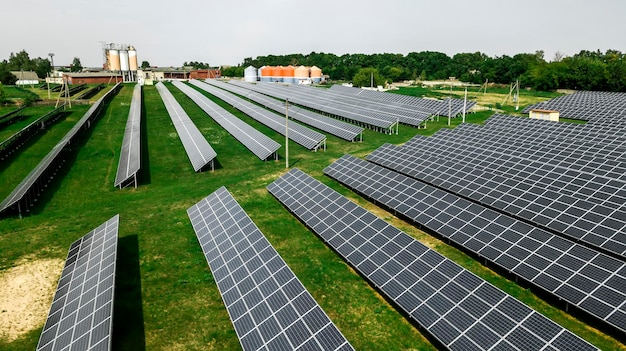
(293, 163)
(128, 325)
(216, 165)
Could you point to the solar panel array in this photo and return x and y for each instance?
(19, 139)
(268, 305)
(608, 137)
(26, 193)
(589, 280)
(130, 154)
(81, 315)
(399, 112)
(354, 114)
(594, 106)
(12, 116)
(329, 125)
(258, 143)
(198, 149)
(597, 223)
(459, 309)
(298, 133)
(430, 106)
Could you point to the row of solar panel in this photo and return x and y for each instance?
(26, 193)
(587, 105)
(258, 143)
(81, 314)
(298, 133)
(19, 139)
(198, 149)
(431, 106)
(459, 309)
(351, 113)
(596, 224)
(329, 125)
(593, 179)
(592, 281)
(268, 306)
(130, 154)
(587, 157)
(395, 111)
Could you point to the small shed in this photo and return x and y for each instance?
(26, 77)
(546, 115)
(205, 73)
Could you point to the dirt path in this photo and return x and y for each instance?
(26, 292)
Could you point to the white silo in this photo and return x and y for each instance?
(132, 59)
(250, 74)
(124, 64)
(114, 60)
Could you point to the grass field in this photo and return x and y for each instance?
(165, 296)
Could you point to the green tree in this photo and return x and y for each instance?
(6, 77)
(197, 65)
(363, 78)
(76, 65)
(42, 67)
(2, 96)
(20, 62)
(145, 64)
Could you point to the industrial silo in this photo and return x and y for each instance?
(124, 65)
(250, 74)
(316, 74)
(132, 59)
(288, 74)
(267, 73)
(260, 72)
(114, 60)
(301, 74)
(278, 74)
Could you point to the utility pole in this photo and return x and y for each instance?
(450, 103)
(464, 104)
(517, 95)
(286, 133)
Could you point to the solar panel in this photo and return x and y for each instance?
(594, 106)
(26, 193)
(373, 120)
(300, 134)
(547, 209)
(198, 149)
(268, 306)
(458, 308)
(429, 106)
(81, 315)
(329, 125)
(17, 140)
(571, 272)
(130, 154)
(258, 143)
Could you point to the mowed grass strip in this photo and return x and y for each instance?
(170, 299)
(27, 116)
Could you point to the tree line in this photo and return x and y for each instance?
(21, 61)
(586, 70)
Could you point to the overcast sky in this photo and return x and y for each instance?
(168, 33)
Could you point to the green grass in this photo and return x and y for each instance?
(166, 298)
